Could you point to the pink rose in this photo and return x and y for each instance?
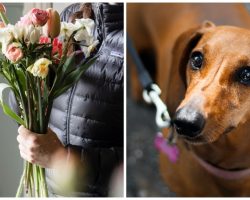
(38, 17)
(14, 52)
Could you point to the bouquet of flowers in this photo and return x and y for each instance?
(39, 62)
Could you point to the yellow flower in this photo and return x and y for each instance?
(40, 68)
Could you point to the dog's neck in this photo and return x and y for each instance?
(230, 151)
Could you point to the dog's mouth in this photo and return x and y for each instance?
(198, 140)
(205, 137)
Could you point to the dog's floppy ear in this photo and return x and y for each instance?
(181, 52)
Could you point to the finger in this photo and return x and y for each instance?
(26, 157)
(22, 149)
(31, 152)
(27, 137)
(23, 131)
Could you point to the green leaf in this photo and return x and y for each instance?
(74, 76)
(7, 110)
(21, 77)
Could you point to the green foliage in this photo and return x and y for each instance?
(70, 78)
(7, 110)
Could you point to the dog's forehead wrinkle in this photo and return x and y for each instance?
(212, 73)
(226, 37)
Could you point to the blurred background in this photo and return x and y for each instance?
(143, 177)
(11, 164)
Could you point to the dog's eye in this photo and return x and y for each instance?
(196, 60)
(244, 75)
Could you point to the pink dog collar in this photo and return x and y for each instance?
(222, 173)
(172, 152)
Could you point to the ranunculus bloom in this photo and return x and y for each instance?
(44, 40)
(14, 53)
(24, 21)
(40, 68)
(57, 47)
(38, 17)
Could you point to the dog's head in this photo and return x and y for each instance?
(214, 75)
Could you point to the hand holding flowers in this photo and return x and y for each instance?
(45, 150)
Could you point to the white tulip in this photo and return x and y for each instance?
(6, 36)
(67, 29)
(18, 32)
(88, 24)
(32, 34)
(83, 36)
(89, 49)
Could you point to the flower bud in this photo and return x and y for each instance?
(2, 25)
(2, 8)
(52, 27)
(3, 14)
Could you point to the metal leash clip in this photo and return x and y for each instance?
(153, 96)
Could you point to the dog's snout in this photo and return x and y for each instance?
(189, 122)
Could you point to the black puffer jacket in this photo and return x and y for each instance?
(89, 116)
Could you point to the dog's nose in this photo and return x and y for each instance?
(189, 122)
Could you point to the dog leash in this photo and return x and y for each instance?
(151, 91)
(151, 95)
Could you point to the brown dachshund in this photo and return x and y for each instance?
(203, 70)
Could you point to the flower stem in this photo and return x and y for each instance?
(40, 107)
(21, 185)
(4, 18)
(36, 181)
(45, 190)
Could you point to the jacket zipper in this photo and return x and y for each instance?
(68, 114)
